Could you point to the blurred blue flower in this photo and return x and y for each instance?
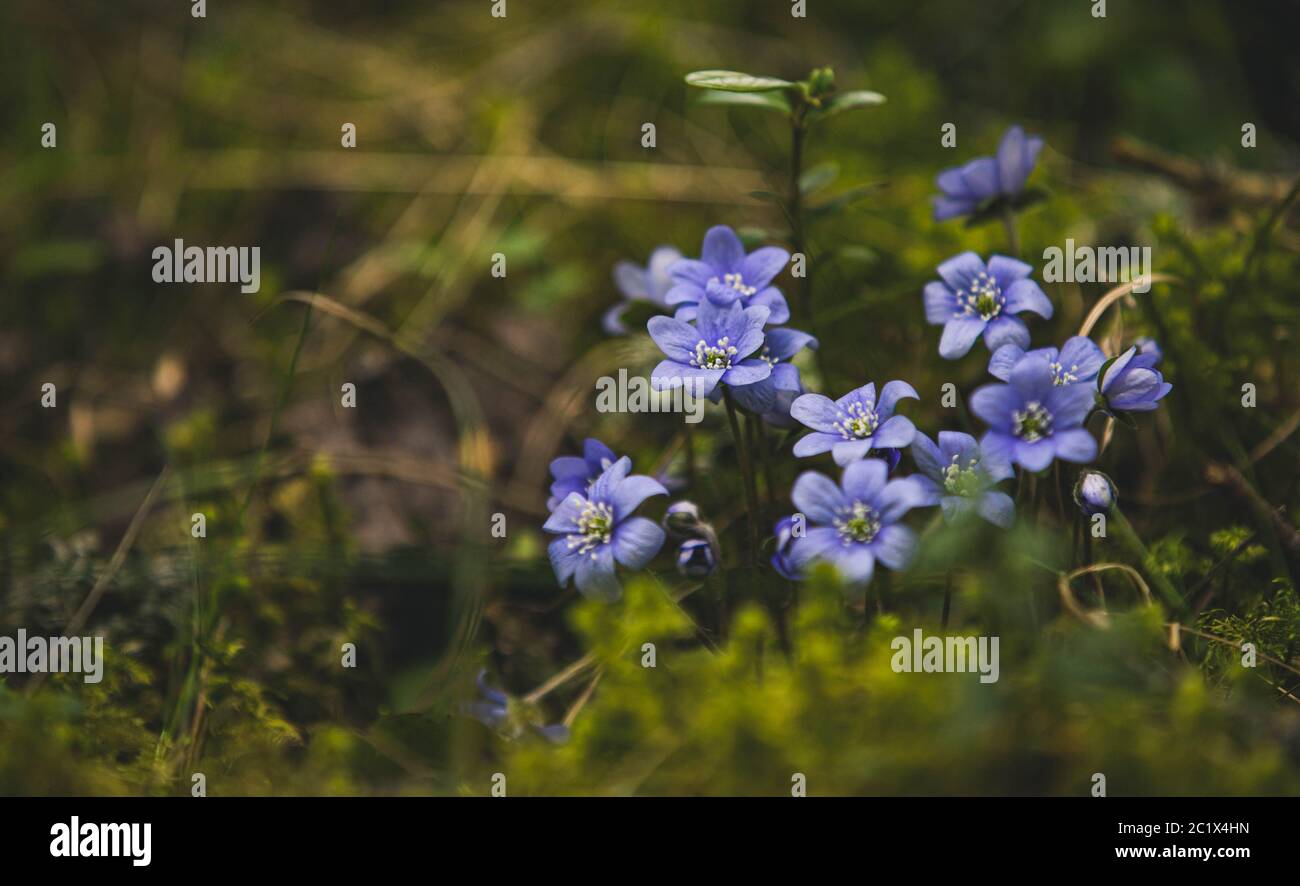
(696, 559)
(958, 475)
(781, 559)
(856, 523)
(1032, 420)
(780, 344)
(717, 348)
(1132, 383)
(597, 529)
(508, 717)
(973, 300)
(571, 473)
(856, 423)
(966, 188)
(1075, 362)
(649, 284)
(1149, 346)
(724, 275)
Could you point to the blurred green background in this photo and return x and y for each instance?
(522, 135)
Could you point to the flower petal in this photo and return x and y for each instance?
(961, 270)
(565, 516)
(674, 337)
(1026, 295)
(1006, 270)
(846, 452)
(595, 575)
(894, 546)
(1069, 405)
(760, 266)
(814, 444)
(746, 372)
(1004, 360)
(946, 208)
(898, 497)
(817, 497)
(564, 559)
(669, 374)
(864, 480)
(1035, 456)
(894, 433)
(722, 249)
(958, 335)
(993, 405)
(815, 411)
(1075, 445)
(692, 271)
(772, 299)
(929, 460)
(1006, 330)
(758, 397)
(636, 541)
(627, 496)
(891, 393)
(940, 303)
(997, 508)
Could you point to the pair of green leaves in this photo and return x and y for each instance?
(739, 89)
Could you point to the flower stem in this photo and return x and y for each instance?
(747, 476)
(1009, 225)
(1125, 535)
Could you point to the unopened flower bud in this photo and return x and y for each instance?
(695, 558)
(1094, 493)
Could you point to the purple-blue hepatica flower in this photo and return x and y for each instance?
(498, 712)
(973, 300)
(597, 529)
(1032, 420)
(965, 188)
(1132, 383)
(724, 275)
(780, 344)
(957, 474)
(649, 284)
(856, 523)
(717, 348)
(1075, 362)
(855, 424)
(572, 473)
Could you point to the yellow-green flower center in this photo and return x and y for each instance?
(858, 523)
(1032, 423)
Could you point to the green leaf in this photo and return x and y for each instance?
(772, 101)
(818, 177)
(734, 81)
(848, 101)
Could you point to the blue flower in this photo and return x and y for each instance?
(856, 523)
(965, 188)
(649, 284)
(957, 475)
(696, 559)
(597, 529)
(856, 423)
(1033, 420)
(1076, 361)
(1094, 493)
(782, 561)
(509, 718)
(1148, 345)
(779, 346)
(974, 300)
(1132, 383)
(716, 348)
(574, 474)
(724, 275)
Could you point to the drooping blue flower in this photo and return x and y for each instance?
(1132, 383)
(498, 712)
(782, 561)
(637, 284)
(1094, 493)
(718, 347)
(856, 523)
(571, 473)
(1032, 420)
(966, 188)
(682, 518)
(597, 530)
(958, 475)
(855, 424)
(973, 300)
(780, 344)
(696, 559)
(724, 274)
(1075, 362)
(779, 415)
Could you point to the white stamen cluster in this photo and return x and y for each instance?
(717, 356)
(737, 282)
(1063, 376)
(857, 523)
(962, 481)
(858, 423)
(595, 527)
(1033, 423)
(984, 297)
